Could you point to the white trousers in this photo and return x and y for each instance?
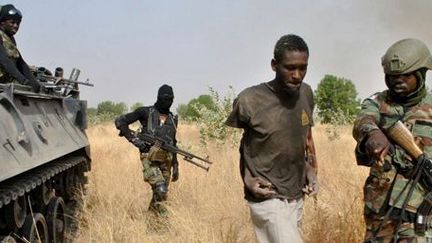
(277, 220)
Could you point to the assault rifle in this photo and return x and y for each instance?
(422, 171)
(58, 81)
(157, 141)
(400, 134)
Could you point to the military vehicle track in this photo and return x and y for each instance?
(44, 154)
(24, 183)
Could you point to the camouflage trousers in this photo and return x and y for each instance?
(378, 231)
(156, 169)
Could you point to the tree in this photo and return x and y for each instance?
(109, 107)
(91, 111)
(182, 110)
(136, 106)
(336, 100)
(191, 110)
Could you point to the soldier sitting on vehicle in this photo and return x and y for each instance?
(13, 68)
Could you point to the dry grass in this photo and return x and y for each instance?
(209, 207)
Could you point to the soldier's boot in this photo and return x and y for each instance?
(161, 210)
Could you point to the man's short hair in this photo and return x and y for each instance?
(289, 43)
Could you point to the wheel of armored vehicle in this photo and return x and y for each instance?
(44, 155)
(56, 220)
(44, 193)
(35, 229)
(16, 212)
(7, 239)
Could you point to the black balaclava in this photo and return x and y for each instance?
(165, 99)
(9, 11)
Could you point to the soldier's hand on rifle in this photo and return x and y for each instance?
(36, 87)
(377, 145)
(139, 143)
(175, 170)
(258, 186)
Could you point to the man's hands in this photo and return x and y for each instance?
(377, 145)
(34, 84)
(312, 186)
(140, 144)
(258, 186)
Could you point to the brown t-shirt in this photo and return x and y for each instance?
(275, 129)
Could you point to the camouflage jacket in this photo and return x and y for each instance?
(385, 186)
(11, 51)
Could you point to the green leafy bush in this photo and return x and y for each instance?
(211, 120)
(190, 111)
(105, 111)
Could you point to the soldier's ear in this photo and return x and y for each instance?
(273, 64)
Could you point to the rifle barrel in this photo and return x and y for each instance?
(197, 164)
(191, 156)
(64, 80)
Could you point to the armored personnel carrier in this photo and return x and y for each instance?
(44, 154)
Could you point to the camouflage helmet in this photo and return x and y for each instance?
(406, 56)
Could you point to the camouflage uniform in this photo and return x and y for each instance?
(156, 121)
(13, 54)
(157, 162)
(156, 165)
(386, 188)
(384, 185)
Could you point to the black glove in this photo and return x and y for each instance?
(36, 87)
(140, 144)
(175, 170)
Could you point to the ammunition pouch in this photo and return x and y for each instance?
(157, 154)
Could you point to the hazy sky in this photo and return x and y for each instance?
(129, 48)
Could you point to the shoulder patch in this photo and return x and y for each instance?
(305, 118)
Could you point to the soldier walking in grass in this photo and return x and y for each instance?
(395, 204)
(156, 120)
(277, 118)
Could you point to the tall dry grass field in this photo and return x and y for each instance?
(209, 206)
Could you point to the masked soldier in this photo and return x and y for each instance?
(13, 68)
(394, 204)
(158, 121)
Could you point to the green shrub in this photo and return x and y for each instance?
(211, 120)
